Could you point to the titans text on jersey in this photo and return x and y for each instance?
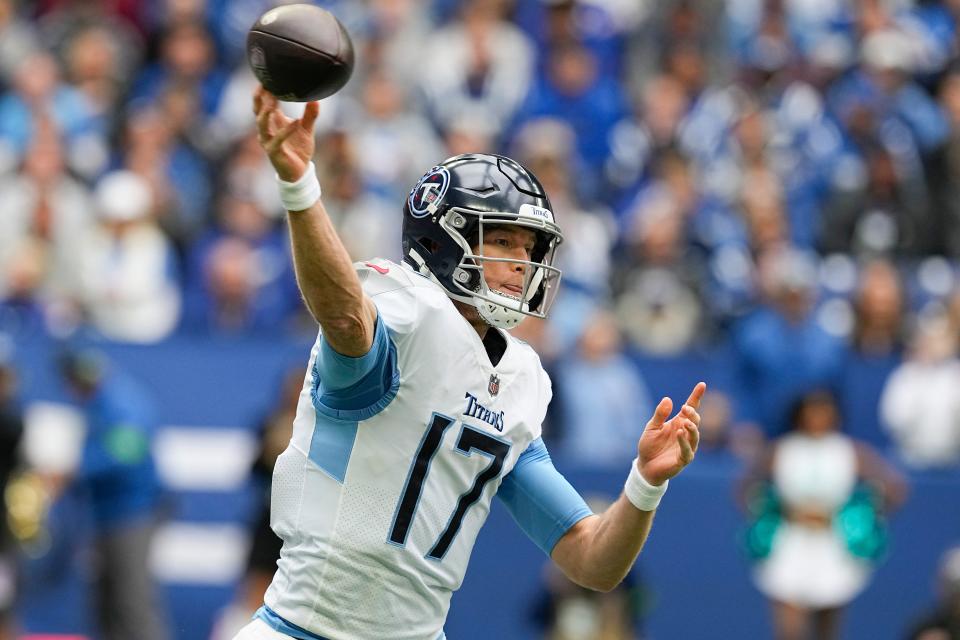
(477, 410)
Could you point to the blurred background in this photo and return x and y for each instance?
(762, 194)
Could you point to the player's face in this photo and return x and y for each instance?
(515, 243)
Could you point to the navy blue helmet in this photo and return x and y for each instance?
(444, 220)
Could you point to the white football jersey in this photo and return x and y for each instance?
(379, 499)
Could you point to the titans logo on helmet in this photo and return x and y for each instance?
(431, 189)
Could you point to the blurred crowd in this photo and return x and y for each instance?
(784, 183)
(778, 179)
(776, 175)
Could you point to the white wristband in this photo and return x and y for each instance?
(640, 493)
(302, 194)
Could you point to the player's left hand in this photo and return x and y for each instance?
(667, 446)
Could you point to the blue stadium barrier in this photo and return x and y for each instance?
(692, 565)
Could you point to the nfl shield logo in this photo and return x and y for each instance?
(494, 385)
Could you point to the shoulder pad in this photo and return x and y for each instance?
(382, 276)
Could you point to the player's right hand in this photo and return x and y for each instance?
(289, 143)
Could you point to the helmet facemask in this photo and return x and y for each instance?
(503, 309)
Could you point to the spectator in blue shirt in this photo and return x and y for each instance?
(39, 96)
(781, 349)
(574, 90)
(239, 275)
(883, 87)
(118, 475)
(187, 58)
(599, 388)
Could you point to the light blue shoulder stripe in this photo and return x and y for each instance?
(354, 389)
(332, 444)
(347, 391)
(540, 499)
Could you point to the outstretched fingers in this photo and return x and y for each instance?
(270, 119)
(662, 413)
(264, 110)
(696, 395)
(278, 119)
(310, 114)
(288, 130)
(687, 448)
(258, 100)
(693, 434)
(690, 413)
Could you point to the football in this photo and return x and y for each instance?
(300, 52)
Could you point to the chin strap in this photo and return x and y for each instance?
(500, 315)
(420, 266)
(416, 262)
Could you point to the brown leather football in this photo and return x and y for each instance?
(300, 52)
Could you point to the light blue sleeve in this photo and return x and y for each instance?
(353, 389)
(541, 500)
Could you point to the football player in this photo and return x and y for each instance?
(418, 407)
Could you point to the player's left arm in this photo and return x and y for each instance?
(598, 551)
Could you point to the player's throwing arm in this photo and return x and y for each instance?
(326, 276)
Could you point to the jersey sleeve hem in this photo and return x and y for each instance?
(562, 527)
(340, 371)
(356, 415)
(562, 524)
(353, 389)
(540, 499)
